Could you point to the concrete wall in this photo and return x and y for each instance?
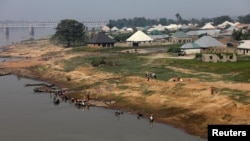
(101, 45)
(219, 57)
(243, 51)
(181, 40)
(191, 51)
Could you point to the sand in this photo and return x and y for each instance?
(186, 104)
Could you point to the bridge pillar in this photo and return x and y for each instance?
(31, 31)
(6, 32)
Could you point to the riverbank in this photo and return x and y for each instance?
(186, 104)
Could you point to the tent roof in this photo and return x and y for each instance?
(190, 46)
(208, 26)
(245, 45)
(100, 38)
(208, 41)
(105, 28)
(114, 29)
(200, 32)
(139, 36)
(225, 23)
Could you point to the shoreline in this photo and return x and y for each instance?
(111, 105)
(191, 108)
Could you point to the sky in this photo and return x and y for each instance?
(104, 10)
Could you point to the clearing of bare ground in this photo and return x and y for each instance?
(116, 79)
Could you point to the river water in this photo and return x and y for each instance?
(17, 34)
(29, 116)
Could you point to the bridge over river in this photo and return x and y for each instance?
(88, 24)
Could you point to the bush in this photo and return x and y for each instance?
(174, 48)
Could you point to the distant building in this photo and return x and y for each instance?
(180, 37)
(139, 37)
(190, 48)
(244, 48)
(208, 26)
(101, 40)
(202, 45)
(208, 42)
(219, 57)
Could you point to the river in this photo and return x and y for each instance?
(17, 34)
(29, 116)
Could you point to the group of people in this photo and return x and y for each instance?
(79, 103)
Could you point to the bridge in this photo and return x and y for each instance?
(88, 24)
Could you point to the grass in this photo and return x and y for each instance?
(72, 64)
(127, 64)
(111, 60)
(237, 95)
(230, 71)
(41, 69)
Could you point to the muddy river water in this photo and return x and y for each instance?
(29, 116)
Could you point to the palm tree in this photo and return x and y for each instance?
(178, 17)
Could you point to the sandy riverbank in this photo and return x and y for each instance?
(191, 106)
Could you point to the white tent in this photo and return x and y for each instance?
(105, 28)
(114, 29)
(139, 36)
(184, 26)
(130, 29)
(173, 27)
(208, 26)
(224, 24)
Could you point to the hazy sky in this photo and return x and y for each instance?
(87, 10)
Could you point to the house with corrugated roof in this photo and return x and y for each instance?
(214, 51)
(208, 41)
(202, 44)
(190, 48)
(180, 37)
(244, 48)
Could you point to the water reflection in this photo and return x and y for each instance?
(37, 113)
(118, 113)
(31, 31)
(12, 35)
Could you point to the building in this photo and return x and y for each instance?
(101, 40)
(219, 57)
(190, 48)
(203, 44)
(206, 42)
(180, 37)
(139, 37)
(244, 48)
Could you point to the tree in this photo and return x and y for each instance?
(237, 35)
(221, 19)
(69, 31)
(178, 17)
(244, 19)
(163, 21)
